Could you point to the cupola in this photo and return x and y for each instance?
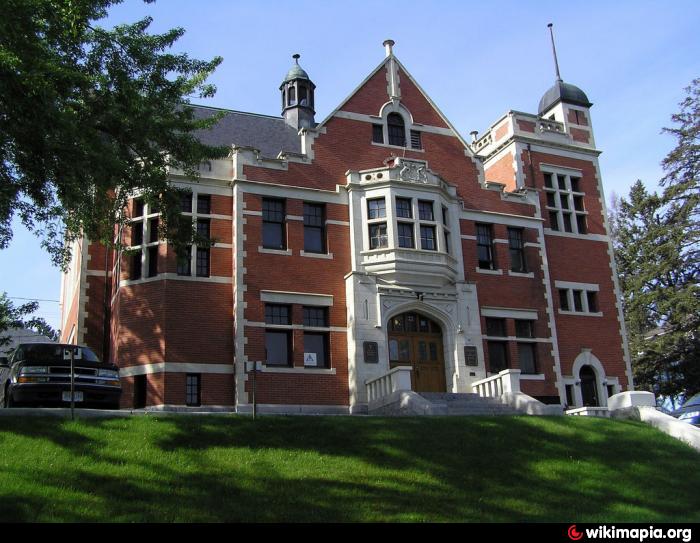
(298, 97)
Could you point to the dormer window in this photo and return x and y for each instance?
(396, 129)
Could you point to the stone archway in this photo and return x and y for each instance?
(416, 340)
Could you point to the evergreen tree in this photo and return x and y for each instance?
(657, 252)
(90, 116)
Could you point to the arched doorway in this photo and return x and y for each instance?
(589, 387)
(416, 341)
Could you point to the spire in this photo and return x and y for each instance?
(554, 51)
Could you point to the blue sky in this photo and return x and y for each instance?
(476, 60)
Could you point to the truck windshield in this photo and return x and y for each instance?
(51, 354)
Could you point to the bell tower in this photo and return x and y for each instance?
(298, 97)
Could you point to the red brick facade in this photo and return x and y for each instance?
(167, 326)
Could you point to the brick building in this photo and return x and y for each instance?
(377, 238)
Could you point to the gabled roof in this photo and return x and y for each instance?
(269, 134)
(381, 65)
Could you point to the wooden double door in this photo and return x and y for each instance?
(416, 341)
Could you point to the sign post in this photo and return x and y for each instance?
(254, 370)
(72, 354)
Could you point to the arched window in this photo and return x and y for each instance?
(291, 96)
(396, 129)
(302, 96)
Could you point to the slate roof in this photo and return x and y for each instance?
(269, 134)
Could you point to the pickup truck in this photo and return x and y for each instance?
(38, 374)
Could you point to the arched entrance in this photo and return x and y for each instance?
(589, 387)
(416, 341)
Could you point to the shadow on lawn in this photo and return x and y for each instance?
(352, 469)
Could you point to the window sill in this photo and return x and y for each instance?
(282, 252)
(528, 275)
(389, 146)
(304, 370)
(327, 256)
(580, 313)
(488, 272)
(532, 377)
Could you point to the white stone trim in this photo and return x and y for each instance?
(97, 273)
(251, 212)
(298, 370)
(580, 313)
(494, 217)
(238, 254)
(517, 339)
(301, 298)
(176, 367)
(614, 276)
(586, 237)
(372, 119)
(326, 256)
(276, 190)
(255, 324)
(281, 252)
(488, 272)
(216, 190)
(565, 170)
(587, 358)
(509, 313)
(577, 286)
(532, 377)
(176, 277)
(528, 275)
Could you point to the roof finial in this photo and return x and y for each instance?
(296, 57)
(388, 44)
(554, 51)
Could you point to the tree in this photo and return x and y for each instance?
(88, 118)
(657, 252)
(16, 317)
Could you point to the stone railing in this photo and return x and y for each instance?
(482, 142)
(496, 385)
(395, 380)
(602, 412)
(550, 126)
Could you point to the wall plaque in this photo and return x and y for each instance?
(371, 351)
(471, 357)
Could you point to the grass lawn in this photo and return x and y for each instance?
(229, 468)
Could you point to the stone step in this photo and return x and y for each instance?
(465, 404)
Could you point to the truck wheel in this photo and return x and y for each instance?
(8, 401)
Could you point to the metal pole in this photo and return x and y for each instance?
(554, 51)
(255, 402)
(72, 383)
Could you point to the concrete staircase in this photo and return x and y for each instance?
(409, 403)
(467, 404)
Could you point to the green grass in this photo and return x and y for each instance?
(228, 468)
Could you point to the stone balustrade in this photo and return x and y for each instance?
(397, 379)
(496, 385)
